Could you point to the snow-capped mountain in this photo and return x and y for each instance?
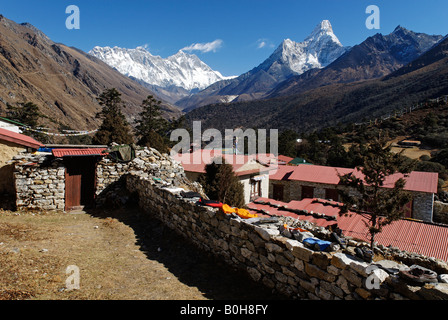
(318, 50)
(291, 58)
(179, 71)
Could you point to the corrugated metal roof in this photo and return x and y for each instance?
(316, 206)
(19, 139)
(284, 159)
(414, 236)
(427, 239)
(59, 153)
(196, 161)
(318, 174)
(415, 181)
(282, 173)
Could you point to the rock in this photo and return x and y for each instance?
(254, 274)
(302, 253)
(314, 271)
(437, 291)
(300, 236)
(15, 250)
(341, 260)
(390, 266)
(443, 278)
(266, 233)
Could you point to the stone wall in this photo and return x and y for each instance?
(440, 212)
(269, 254)
(149, 164)
(7, 151)
(423, 206)
(39, 182)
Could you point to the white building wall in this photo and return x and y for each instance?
(10, 127)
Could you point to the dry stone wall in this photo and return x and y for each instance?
(39, 182)
(148, 164)
(267, 253)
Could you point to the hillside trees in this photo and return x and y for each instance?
(152, 129)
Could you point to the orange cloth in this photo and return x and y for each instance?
(243, 213)
(228, 209)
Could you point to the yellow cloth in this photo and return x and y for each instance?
(228, 209)
(243, 213)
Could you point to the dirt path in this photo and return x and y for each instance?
(121, 255)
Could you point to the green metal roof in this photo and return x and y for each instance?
(12, 121)
(299, 160)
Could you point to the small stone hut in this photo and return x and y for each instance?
(77, 178)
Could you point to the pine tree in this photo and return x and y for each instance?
(221, 184)
(114, 127)
(378, 204)
(151, 125)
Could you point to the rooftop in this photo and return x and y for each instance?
(59, 153)
(242, 164)
(19, 139)
(415, 181)
(423, 238)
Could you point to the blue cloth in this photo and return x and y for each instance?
(321, 244)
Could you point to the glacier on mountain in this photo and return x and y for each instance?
(179, 70)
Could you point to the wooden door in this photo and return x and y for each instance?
(80, 179)
(73, 178)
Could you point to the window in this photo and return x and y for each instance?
(331, 194)
(307, 192)
(255, 189)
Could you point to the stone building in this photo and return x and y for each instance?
(312, 181)
(78, 178)
(252, 171)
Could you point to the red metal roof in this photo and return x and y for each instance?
(59, 153)
(318, 174)
(282, 173)
(317, 206)
(196, 161)
(19, 139)
(415, 181)
(427, 239)
(285, 159)
(414, 236)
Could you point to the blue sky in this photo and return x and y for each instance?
(233, 29)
